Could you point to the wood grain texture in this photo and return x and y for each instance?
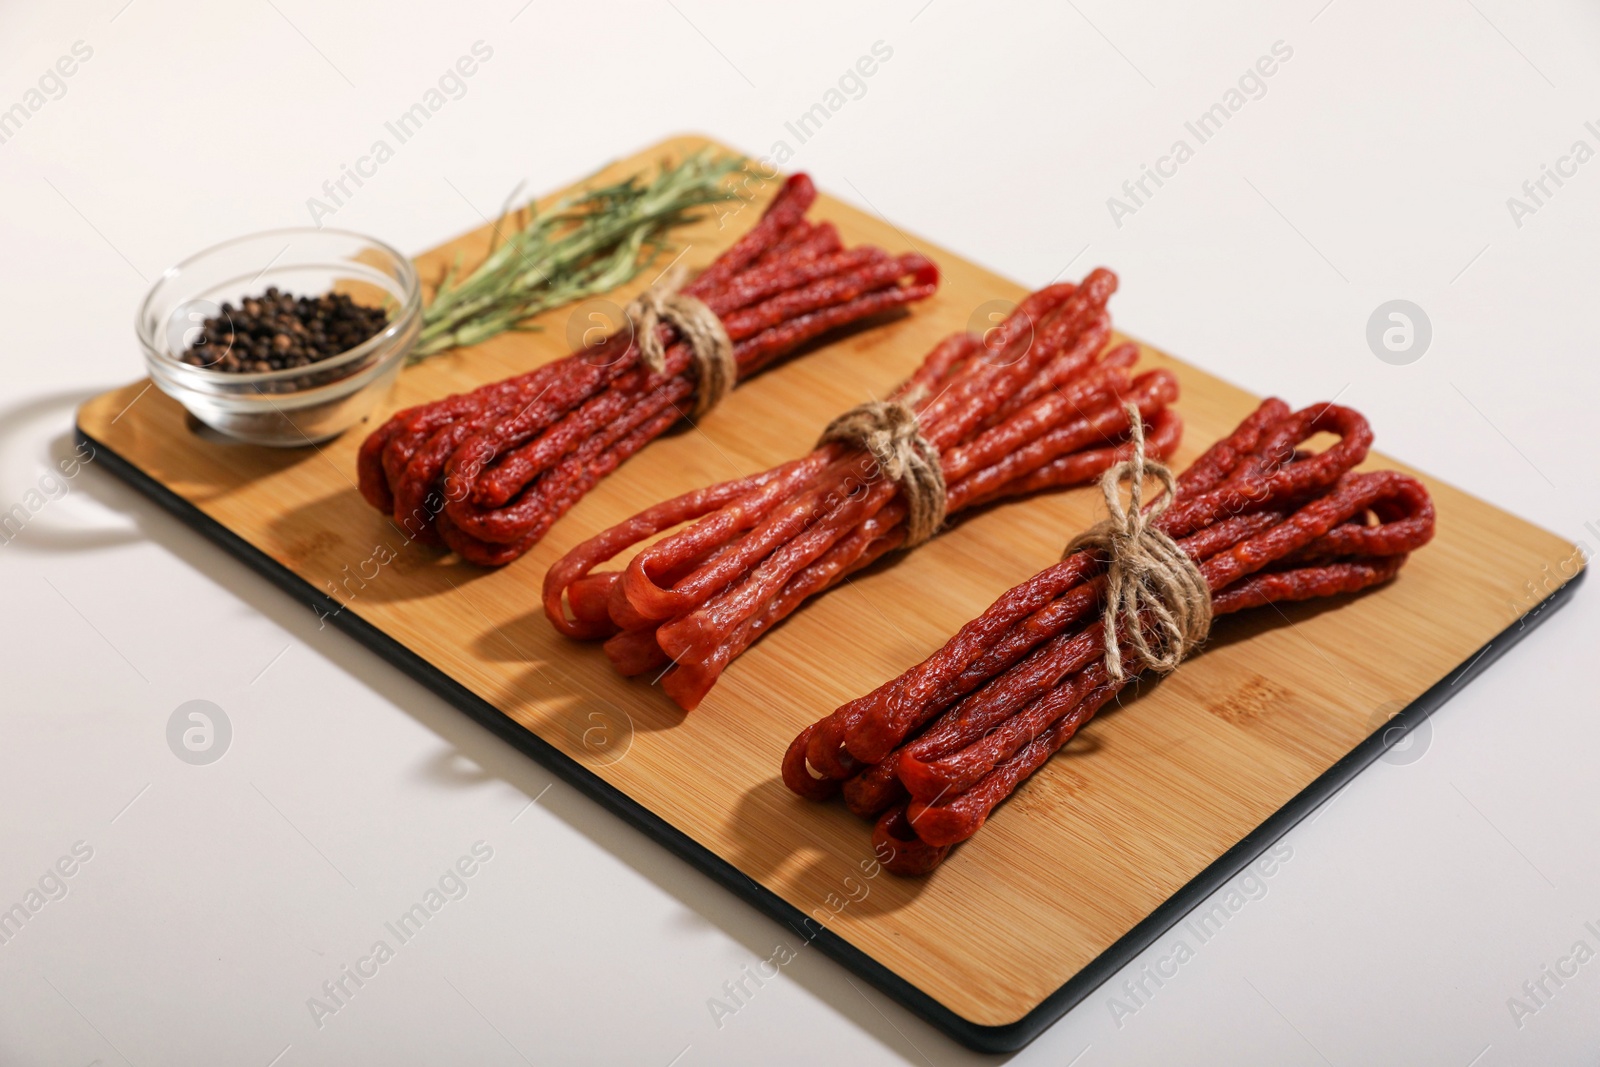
(1144, 799)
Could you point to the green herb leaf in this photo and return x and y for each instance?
(588, 243)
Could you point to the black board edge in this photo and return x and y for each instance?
(1005, 1038)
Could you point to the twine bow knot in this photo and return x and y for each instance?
(716, 371)
(888, 431)
(1151, 583)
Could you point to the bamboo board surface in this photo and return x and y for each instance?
(1147, 797)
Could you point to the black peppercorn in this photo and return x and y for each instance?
(278, 331)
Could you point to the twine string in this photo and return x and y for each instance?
(1148, 577)
(716, 370)
(888, 431)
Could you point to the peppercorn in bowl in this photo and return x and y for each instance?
(282, 338)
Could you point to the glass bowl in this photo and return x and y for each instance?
(298, 405)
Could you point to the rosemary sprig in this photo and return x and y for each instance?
(588, 243)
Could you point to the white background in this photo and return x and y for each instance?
(218, 899)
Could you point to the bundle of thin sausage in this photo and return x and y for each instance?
(488, 472)
(931, 753)
(1037, 402)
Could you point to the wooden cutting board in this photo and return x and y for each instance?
(1153, 806)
